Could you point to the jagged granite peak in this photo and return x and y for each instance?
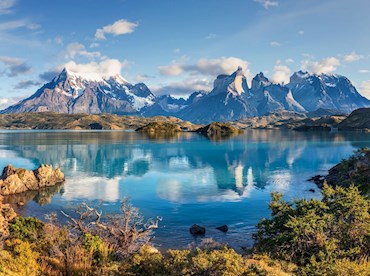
(236, 83)
(259, 81)
(327, 91)
(225, 102)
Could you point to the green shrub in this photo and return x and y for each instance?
(314, 234)
(26, 228)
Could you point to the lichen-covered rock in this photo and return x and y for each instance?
(6, 214)
(47, 176)
(14, 181)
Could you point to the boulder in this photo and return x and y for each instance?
(47, 176)
(223, 228)
(14, 181)
(197, 230)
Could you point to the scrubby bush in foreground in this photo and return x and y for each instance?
(305, 237)
(316, 234)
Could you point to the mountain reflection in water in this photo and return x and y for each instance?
(186, 178)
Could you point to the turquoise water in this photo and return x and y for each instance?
(184, 179)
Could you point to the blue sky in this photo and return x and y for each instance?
(177, 47)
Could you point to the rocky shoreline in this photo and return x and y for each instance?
(323, 121)
(354, 170)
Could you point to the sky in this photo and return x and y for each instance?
(180, 46)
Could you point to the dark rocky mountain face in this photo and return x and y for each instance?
(230, 99)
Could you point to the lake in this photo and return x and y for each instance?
(185, 179)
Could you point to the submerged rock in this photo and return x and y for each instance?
(223, 228)
(14, 181)
(197, 230)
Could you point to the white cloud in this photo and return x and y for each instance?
(275, 44)
(353, 57)
(289, 60)
(209, 67)
(58, 39)
(177, 50)
(119, 27)
(94, 45)
(211, 36)
(14, 66)
(268, 3)
(95, 70)
(17, 24)
(171, 70)
(223, 65)
(183, 88)
(6, 6)
(281, 74)
(365, 89)
(75, 48)
(364, 71)
(326, 65)
(301, 32)
(142, 77)
(5, 102)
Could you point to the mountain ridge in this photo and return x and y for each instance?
(230, 99)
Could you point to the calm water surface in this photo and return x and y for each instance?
(185, 179)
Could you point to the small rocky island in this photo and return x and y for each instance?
(219, 129)
(159, 127)
(14, 181)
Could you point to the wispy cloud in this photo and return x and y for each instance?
(324, 66)
(142, 77)
(210, 67)
(14, 66)
(281, 74)
(352, 57)
(275, 44)
(365, 88)
(77, 49)
(268, 3)
(6, 6)
(183, 87)
(364, 71)
(27, 84)
(210, 36)
(119, 27)
(17, 24)
(301, 32)
(5, 102)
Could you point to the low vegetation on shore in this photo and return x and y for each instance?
(50, 120)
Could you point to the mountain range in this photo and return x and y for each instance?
(230, 99)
